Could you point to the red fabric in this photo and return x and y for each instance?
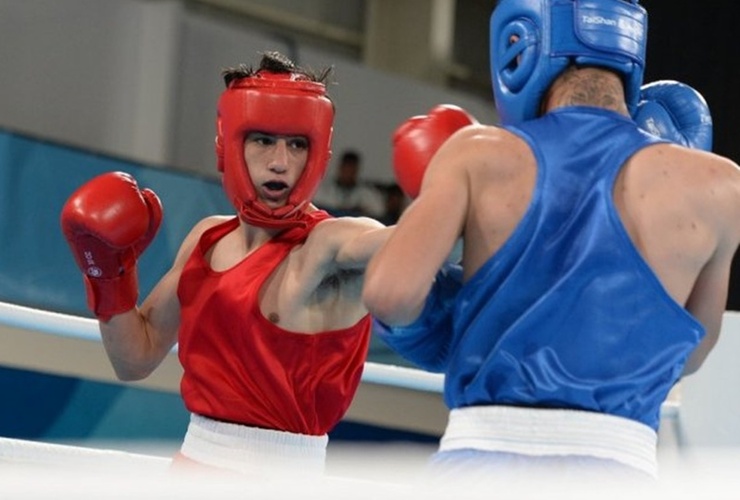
(239, 367)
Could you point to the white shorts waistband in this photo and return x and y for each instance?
(251, 449)
(538, 431)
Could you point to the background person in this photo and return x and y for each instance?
(347, 193)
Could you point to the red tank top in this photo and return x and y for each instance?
(240, 367)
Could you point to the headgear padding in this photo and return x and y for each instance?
(281, 104)
(533, 41)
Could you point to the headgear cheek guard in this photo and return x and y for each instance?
(533, 41)
(275, 103)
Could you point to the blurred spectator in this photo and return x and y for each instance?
(395, 203)
(347, 194)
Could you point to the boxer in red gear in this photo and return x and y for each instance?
(265, 305)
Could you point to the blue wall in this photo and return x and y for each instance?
(36, 178)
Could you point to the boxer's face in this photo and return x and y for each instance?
(275, 163)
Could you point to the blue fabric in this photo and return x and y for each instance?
(481, 468)
(567, 314)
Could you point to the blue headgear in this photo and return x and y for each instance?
(533, 41)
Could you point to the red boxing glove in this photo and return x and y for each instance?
(417, 139)
(108, 222)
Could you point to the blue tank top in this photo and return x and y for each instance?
(567, 314)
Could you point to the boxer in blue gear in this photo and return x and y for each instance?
(596, 255)
(668, 109)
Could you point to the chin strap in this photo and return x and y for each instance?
(297, 217)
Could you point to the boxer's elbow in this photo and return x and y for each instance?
(394, 305)
(127, 372)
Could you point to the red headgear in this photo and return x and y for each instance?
(277, 103)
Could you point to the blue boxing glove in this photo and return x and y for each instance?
(426, 342)
(676, 112)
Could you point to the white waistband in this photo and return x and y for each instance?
(251, 449)
(537, 431)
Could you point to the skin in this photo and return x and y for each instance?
(316, 288)
(679, 206)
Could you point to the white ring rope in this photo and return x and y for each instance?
(28, 318)
(399, 376)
